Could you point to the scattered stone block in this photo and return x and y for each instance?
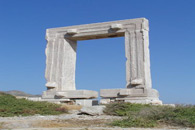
(93, 111)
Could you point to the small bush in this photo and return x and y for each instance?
(134, 122)
(123, 109)
(10, 106)
(138, 115)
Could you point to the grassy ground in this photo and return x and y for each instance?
(10, 106)
(138, 115)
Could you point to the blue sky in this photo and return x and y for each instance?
(100, 63)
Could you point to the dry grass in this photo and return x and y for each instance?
(1, 125)
(71, 107)
(71, 123)
(51, 124)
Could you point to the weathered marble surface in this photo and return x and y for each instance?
(70, 94)
(60, 64)
(61, 58)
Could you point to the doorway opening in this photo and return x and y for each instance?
(101, 64)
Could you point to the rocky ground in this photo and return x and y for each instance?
(65, 122)
(85, 118)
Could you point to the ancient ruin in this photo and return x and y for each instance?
(61, 62)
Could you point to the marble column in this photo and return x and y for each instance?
(138, 61)
(60, 64)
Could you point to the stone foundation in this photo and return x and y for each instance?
(76, 97)
(133, 95)
(70, 94)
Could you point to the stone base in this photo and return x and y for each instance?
(86, 102)
(76, 97)
(82, 102)
(142, 100)
(58, 101)
(133, 95)
(70, 94)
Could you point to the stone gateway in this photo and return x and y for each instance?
(61, 53)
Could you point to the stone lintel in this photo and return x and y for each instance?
(98, 30)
